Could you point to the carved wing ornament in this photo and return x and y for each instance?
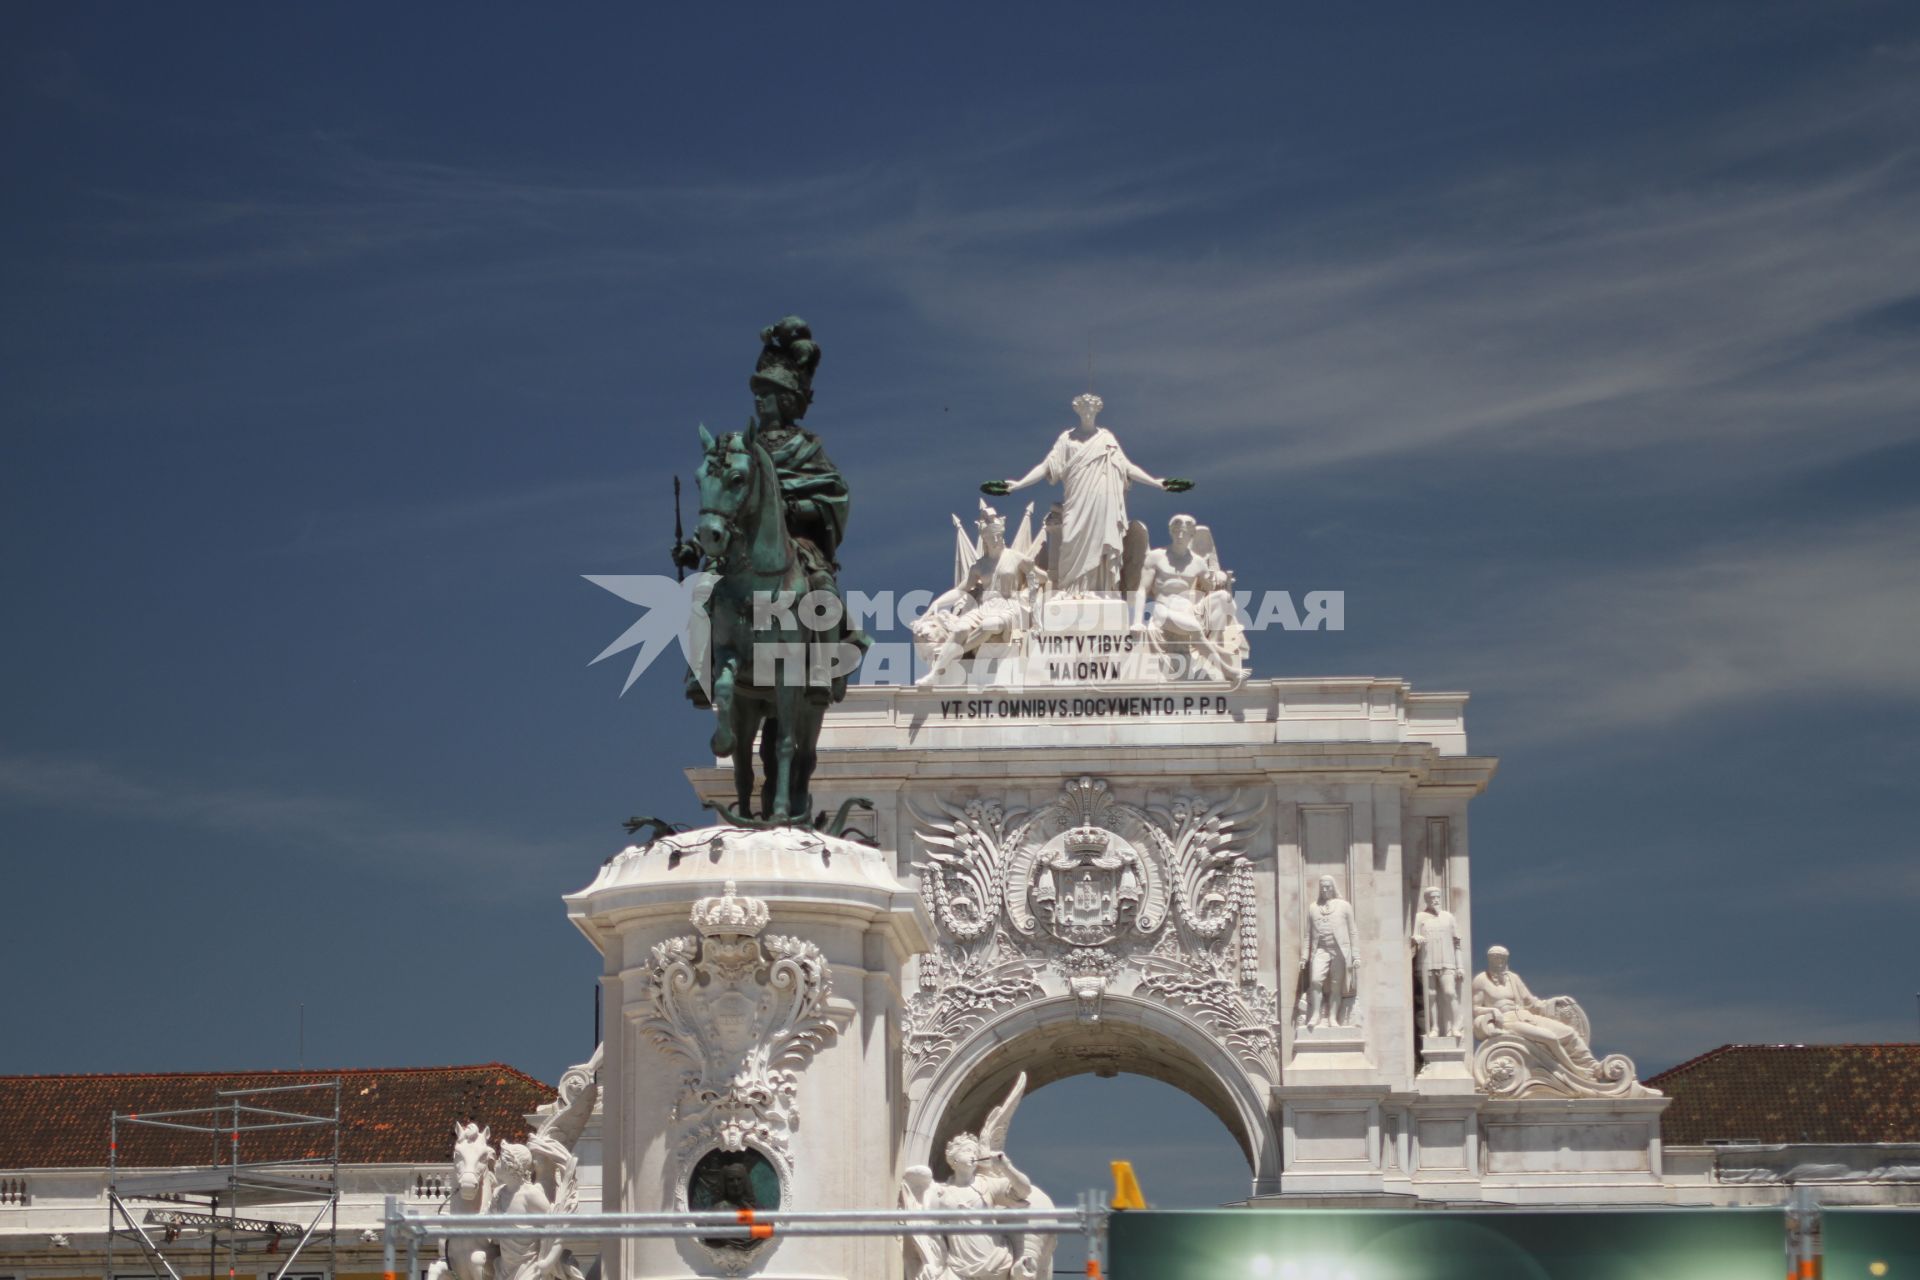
(964, 847)
(1568, 1010)
(666, 1021)
(1204, 845)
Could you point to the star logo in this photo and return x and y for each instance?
(673, 611)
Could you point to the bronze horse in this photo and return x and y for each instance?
(742, 530)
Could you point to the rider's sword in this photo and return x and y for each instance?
(679, 570)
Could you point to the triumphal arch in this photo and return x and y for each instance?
(1138, 856)
(1081, 836)
(1124, 881)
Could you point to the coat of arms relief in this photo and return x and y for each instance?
(1092, 896)
(745, 1012)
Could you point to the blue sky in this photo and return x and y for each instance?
(1580, 349)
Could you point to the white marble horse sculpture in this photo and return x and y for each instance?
(468, 1257)
(540, 1176)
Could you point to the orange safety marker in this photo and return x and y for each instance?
(757, 1230)
(1093, 1268)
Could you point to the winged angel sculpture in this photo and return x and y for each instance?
(541, 1175)
(983, 1178)
(991, 602)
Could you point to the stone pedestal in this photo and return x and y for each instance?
(1444, 1058)
(1330, 1049)
(1593, 1150)
(1332, 1135)
(753, 1002)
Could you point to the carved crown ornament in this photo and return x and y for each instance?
(1089, 895)
(730, 915)
(745, 1013)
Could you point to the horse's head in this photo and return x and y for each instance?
(726, 489)
(473, 1158)
(739, 504)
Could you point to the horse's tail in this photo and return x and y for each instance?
(838, 824)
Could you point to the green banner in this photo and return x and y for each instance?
(1871, 1243)
(1640, 1244)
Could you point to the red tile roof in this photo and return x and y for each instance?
(400, 1115)
(1838, 1093)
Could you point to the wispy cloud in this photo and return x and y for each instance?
(491, 512)
(284, 820)
(1806, 615)
(1712, 309)
(1732, 284)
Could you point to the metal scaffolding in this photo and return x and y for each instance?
(408, 1230)
(256, 1161)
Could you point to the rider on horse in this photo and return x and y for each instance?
(812, 490)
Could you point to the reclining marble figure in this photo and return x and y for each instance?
(1530, 1046)
(992, 597)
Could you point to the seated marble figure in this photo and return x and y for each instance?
(1193, 616)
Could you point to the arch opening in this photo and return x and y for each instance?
(1051, 1040)
(1185, 1157)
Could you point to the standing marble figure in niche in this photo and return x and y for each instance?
(1330, 959)
(1089, 464)
(1436, 944)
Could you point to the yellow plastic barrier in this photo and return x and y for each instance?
(1126, 1187)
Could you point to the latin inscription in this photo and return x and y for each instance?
(1118, 706)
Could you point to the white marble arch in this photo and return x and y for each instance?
(1049, 1039)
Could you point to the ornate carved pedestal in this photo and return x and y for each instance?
(753, 1004)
